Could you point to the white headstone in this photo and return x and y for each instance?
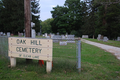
(4, 34)
(56, 38)
(99, 37)
(63, 37)
(57, 33)
(33, 33)
(62, 43)
(70, 37)
(43, 35)
(52, 35)
(22, 34)
(84, 36)
(1, 33)
(66, 35)
(118, 38)
(105, 39)
(46, 35)
(8, 34)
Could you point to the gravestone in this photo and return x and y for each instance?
(33, 33)
(4, 34)
(62, 43)
(57, 33)
(38, 33)
(63, 37)
(46, 35)
(118, 38)
(70, 39)
(66, 35)
(84, 36)
(8, 34)
(1, 33)
(100, 37)
(24, 32)
(52, 35)
(56, 38)
(19, 34)
(105, 39)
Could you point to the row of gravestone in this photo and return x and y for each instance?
(102, 38)
(60, 38)
(3, 34)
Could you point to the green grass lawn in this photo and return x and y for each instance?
(97, 64)
(109, 42)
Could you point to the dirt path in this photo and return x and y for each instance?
(114, 50)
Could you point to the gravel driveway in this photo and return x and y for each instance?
(114, 50)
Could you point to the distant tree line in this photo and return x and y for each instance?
(12, 15)
(91, 18)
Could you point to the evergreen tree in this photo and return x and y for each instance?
(12, 16)
(35, 10)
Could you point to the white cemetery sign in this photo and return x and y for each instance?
(39, 49)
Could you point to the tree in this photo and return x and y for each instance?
(46, 27)
(36, 14)
(103, 18)
(68, 17)
(12, 16)
(90, 19)
(109, 19)
(60, 22)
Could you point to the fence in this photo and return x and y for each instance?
(4, 46)
(65, 52)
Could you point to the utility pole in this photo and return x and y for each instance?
(27, 12)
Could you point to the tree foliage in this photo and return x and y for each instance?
(36, 14)
(68, 18)
(12, 15)
(91, 18)
(46, 27)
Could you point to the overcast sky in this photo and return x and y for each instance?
(46, 7)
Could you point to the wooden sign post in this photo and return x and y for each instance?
(39, 49)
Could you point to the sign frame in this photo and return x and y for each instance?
(30, 48)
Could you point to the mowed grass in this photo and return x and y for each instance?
(96, 64)
(109, 42)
